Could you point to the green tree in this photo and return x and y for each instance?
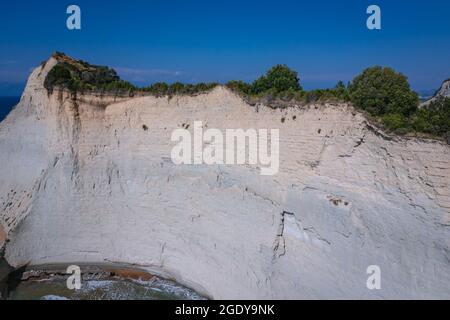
(279, 78)
(383, 91)
(340, 91)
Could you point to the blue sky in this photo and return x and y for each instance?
(192, 41)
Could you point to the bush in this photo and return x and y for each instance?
(163, 89)
(176, 88)
(433, 118)
(387, 95)
(158, 88)
(282, 83)
(239, 86)
(290, 94)
(204, 87)
(395, 122)
(383, 91)
(341, 92)
(280, 78)
(80, 76)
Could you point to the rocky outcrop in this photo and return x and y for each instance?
(91, 180)
(443, 92)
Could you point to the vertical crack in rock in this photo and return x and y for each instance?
(113, 172)
(279, 245)
(161, 254)
(316, 163)
(76, 129)
(69, 126)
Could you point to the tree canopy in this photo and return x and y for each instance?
(382, 91)
(279, 78)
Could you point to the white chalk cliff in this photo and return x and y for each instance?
(82, 181)
(443, 92)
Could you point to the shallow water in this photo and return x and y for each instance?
(101, 290)
(93, 287)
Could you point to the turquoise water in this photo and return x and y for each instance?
(96, 284)
(56, 289)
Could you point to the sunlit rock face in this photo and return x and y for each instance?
(91, 180)
(443, 92)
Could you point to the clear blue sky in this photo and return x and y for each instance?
(191, 41)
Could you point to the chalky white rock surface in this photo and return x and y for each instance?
(443, 92)
(83, 182)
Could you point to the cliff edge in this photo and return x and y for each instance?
(443, 92)
(88, 178)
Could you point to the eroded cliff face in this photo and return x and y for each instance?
(82, 181)
(443, 92)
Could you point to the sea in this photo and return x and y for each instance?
(55, 288)
(6, 105)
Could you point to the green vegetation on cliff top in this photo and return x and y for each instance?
(382, 93)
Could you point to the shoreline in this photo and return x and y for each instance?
(99, 272)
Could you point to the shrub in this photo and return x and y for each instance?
(433, 118)
(239, 86)
(203, 87)
(158, 88)
(395, 122)
(340, 91)
(162, 88)
(280, 78)
(79, 76)
(383, 91)
(176, 88)
(290, 94)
